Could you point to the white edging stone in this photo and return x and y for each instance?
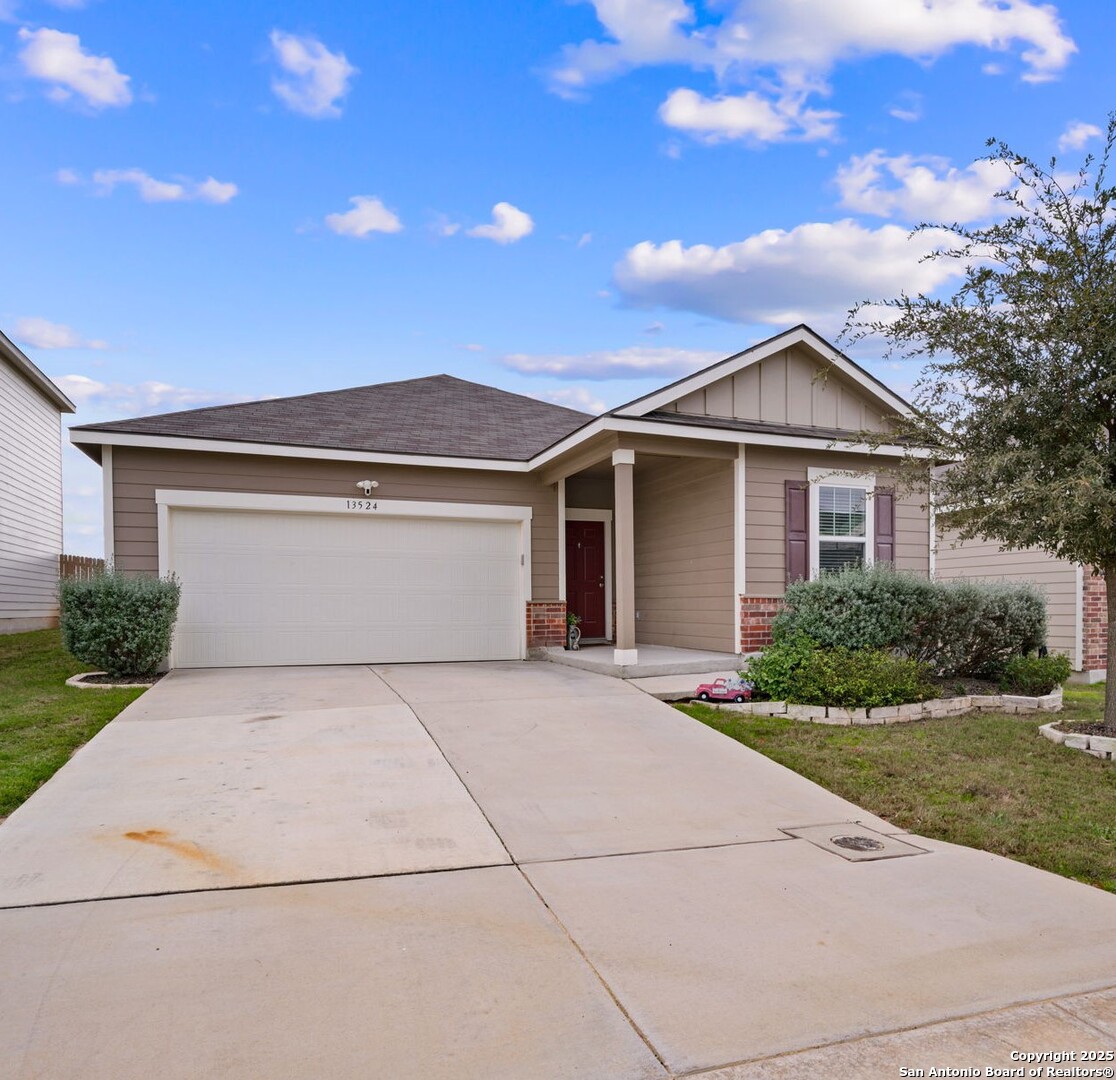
(78, 681)
(903, 714)
(1101, 746)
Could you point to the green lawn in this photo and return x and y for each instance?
(987, 781)
(43, 721)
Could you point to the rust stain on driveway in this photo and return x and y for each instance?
(186, 848)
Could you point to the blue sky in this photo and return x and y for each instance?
(580, 201)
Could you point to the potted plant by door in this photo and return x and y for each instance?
(573, 634)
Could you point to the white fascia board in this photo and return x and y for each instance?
(221, 446)
(327, 504)
(753, 438)
(730, 366)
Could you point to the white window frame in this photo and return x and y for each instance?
(840, 478)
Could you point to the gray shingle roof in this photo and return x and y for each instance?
(439, 415)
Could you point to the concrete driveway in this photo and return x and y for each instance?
(503, 870)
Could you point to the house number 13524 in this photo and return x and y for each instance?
(361, 504)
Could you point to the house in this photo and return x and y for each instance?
(1076, 604)
(31, 409)
(438, 519)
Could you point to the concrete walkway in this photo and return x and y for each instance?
(503, 870)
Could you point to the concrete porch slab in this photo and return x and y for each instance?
(731, 954)
(679, 687)
(451, 976)
(653, 660)
(561, 778)
(229, 801)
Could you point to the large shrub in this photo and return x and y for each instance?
(1034, 675)
(875, 608)
(120, 624)
(798, 670)
(956, 627)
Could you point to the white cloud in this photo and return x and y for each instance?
(907, 107)
(509, 224)
(573, 397)
(443, 226)
(68, 5)
(472, 347)
(811, 273)
(67, 176)
(317, 79)
(368, 215)
(747, 116)
(921, 188)
(808, 36)
(59, 59)
(788, 50)
(635, 361)
(40, 333)
(585, 239)
(135, 398)
(152, 190)
(1077, 134)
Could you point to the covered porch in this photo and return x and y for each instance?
(650, 553)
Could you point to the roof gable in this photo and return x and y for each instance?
(16, 358)
(438, 415)
(793, 378)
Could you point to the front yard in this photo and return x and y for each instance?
(43, 721)
(987, 781)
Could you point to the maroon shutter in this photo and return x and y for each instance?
(798, 530)
(885, 525)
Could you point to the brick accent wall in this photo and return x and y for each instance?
(756, 614)
(546, 623)
(1095, 630)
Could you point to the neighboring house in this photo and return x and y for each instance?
(437, 519)
(31, 408)
(1076, 605)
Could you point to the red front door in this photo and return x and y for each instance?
(585, 575)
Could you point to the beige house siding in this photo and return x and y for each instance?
(30, 503)
(137, 473)
(684, 553)
(766, 471)
(789, 387)
(985, 560)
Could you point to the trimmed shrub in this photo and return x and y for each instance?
(796, 669)
(977, 627)
(775, 671)
(956, 627)
(874, 608)
(1035, 675)
(118, 623)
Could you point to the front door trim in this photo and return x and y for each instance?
(584, 514)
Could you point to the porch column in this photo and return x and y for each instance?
(623, 466)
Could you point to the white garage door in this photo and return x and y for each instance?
(307, 588)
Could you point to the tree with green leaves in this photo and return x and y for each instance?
(1018, 388)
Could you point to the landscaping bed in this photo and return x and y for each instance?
(985, 780)
(42, 720)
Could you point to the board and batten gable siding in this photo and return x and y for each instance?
(30, 502)
(684, 560)
(766, 471)
(139, 472)
(787, 388)
(985, 560)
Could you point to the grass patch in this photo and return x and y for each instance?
(43, 721)
(987, 781)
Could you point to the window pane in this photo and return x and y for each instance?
(836, 555)
(841, 511)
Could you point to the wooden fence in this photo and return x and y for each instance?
(79, 566)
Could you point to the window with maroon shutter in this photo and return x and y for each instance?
(798, 529)
(885, 525)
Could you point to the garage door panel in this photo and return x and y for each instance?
(298, 588)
